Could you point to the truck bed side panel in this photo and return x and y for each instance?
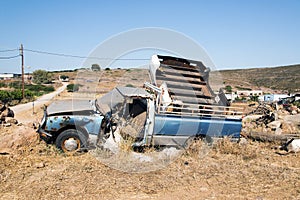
(170, 125)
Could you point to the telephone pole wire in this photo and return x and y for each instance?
(22, 62)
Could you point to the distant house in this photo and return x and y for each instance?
(274, 97)
(244, 94)
(6, 76)
(249, 93)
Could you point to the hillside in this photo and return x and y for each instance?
(280, 79)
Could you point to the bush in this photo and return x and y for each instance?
(228, 88)
(15, 84)
(29, 93)
(129, 85)
(4, 95)
(41, 76)
(2, 85)
(73, 87)
(40, 88)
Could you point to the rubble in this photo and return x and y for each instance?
(292, 146)
(272, 123)
(7, 115)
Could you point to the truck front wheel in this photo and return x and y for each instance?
(70, 140)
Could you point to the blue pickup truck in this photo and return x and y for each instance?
(176, 106)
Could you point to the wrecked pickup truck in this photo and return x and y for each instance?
(176, 107)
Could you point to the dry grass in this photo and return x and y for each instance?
(226, 170)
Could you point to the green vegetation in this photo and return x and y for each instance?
(129, 85)
(254, 98)
(73, 87)
(64, 77)
(6, 96)
(243, 88)
(95, 67)
(15, 92)
(41, 76)
(297, 103)
(228, 88)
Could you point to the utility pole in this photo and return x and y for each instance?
(22, 61)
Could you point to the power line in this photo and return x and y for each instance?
(7, 50)
(82, 57)
(9, 57)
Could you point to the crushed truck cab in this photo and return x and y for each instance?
(177, 105)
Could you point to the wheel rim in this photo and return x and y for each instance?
(71, 144)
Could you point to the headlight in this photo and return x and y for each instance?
(43, 120)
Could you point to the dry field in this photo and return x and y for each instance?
(34, 170)
(31, 169)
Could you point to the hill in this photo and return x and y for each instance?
(279, 79)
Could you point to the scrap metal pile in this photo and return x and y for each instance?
(272, 122)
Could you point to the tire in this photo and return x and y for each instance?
(71, 140)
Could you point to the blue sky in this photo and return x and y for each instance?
(235, 34)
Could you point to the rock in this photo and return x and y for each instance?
(169, 153)
(7, 124)
(40, 165)
(278, 131)
(243, 141)
(11, 120)
(274, 124)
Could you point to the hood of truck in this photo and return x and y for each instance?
(118, 96)
(71, 105)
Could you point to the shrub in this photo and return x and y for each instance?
(228, 88)
(41, 76)
(2, 84)
(73, 87)
(129, 85)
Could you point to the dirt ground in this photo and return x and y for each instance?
(31, 169)
(229, 170)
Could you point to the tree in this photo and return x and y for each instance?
(41, 76)
(95, 67)
(64, 77)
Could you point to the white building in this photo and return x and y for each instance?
(6, 76)
(248, 93)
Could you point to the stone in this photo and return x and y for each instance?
(274, 124)
(11, 120)
(243, 141)
(278, 131)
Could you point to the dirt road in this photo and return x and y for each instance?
(18, 109)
